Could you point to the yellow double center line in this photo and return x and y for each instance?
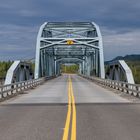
(71, 110)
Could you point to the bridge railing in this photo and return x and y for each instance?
(132, 89)
(19, 87)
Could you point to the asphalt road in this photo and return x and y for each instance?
(41, 113)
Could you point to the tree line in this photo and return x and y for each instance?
(135, 67)
(69, 68)
(4, 66)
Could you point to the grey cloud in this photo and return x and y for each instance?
(119, 21)
(120, 43)
(17, 40)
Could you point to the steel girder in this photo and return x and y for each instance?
(52, 48)
(19, 71)
(120, 71)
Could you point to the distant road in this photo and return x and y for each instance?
(69, 107)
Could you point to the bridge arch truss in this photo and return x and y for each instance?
(69, 42)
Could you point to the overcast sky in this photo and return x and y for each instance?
(119, 21)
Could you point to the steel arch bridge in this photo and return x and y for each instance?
(69, 42)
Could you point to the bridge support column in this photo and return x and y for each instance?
(45, 63)
(88, 65)
(94, 64)
(55, 67)
(97, 63)
(83, 67)
(42, 63)
(50, 66)
(80, 68)
(85, 72)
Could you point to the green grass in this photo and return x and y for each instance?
(135, 67)
(4, 66)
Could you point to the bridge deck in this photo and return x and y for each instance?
(55, 91)
(39, 114)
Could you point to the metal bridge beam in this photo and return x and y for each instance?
(120, 71)
(19, 71)
(87, 46)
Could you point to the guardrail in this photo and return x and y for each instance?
(12, 89)
(132, 89)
